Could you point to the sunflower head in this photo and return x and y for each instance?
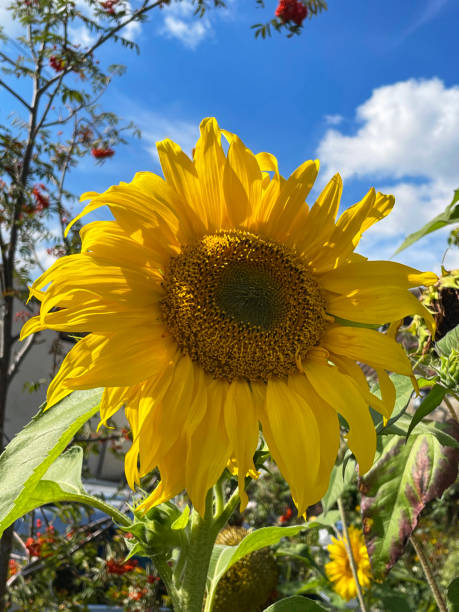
(249, 583)
(217, 301)
(339, 570)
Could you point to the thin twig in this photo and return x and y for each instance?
(20, 356)
(450, 408)
(350, 555)
(15, 94)
(428, 573)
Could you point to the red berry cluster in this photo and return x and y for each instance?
(56, 251)
(22, 315)
(102, 152)
(109, 6)
(12, 567)
(284, 518)
(41, 546)
(152, 579)
(41, 200)
(137, 595)
(113, 567)
(291, 10)
(57, 63)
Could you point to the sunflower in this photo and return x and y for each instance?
(339, 570)
(217, 300)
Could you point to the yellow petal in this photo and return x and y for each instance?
(378, 306)
(349, 367)
(208, 449)
(246, 170)
(32, 326)
(328, 425)
(388, 392)
(123, 359)
(239, 409)
(367, 345)
(172, 476)
(180, 173)
(374, 274)
(320, 223)
(209, 160)
(76, 362)
(343, 395)
(289, 212)
(97, 316)
(106, 239)
(292, 434)
(170, 419)
(112, 400)
(345, 236)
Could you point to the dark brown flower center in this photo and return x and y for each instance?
(242, 307)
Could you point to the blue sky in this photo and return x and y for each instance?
(371, 88)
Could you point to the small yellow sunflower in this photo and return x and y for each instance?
(339, 570)
(215, 301)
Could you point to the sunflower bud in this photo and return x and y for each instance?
(449, 369)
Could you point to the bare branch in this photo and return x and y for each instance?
(16, 95)
(144, 9)
(50, 101)
(20, 356)
(75, 110)
(7, 59)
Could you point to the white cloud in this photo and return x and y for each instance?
(155, 127)
(82, 36)
(9, 26)
(181, 23)
(407, 143)
(430, 10)
(409, 128)
(333, 119)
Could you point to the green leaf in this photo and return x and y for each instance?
(182, 521)
(62, 483)
(428, 404)
(295, 604)
(396, 489)
(449, 342)
(223, 557)
(453, 594)
(394, 604)
(28, 457)
(404, 390)
(448, 216)
(339, 482)
(440, 430)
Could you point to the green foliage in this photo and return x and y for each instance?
(447, 217)
(428, 404)
(453, 595)
(340, 480)
(295, 604)
(69, 560)
(396, 489)
(224, 557)
(28, 457)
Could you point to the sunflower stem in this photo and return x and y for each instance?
(350, 555)
(165, 572)
(203, 535)
(428, 573)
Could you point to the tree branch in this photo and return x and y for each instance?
(16, 95)
(20, 356)
(144, 9)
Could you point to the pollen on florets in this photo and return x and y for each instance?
(242, 307)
